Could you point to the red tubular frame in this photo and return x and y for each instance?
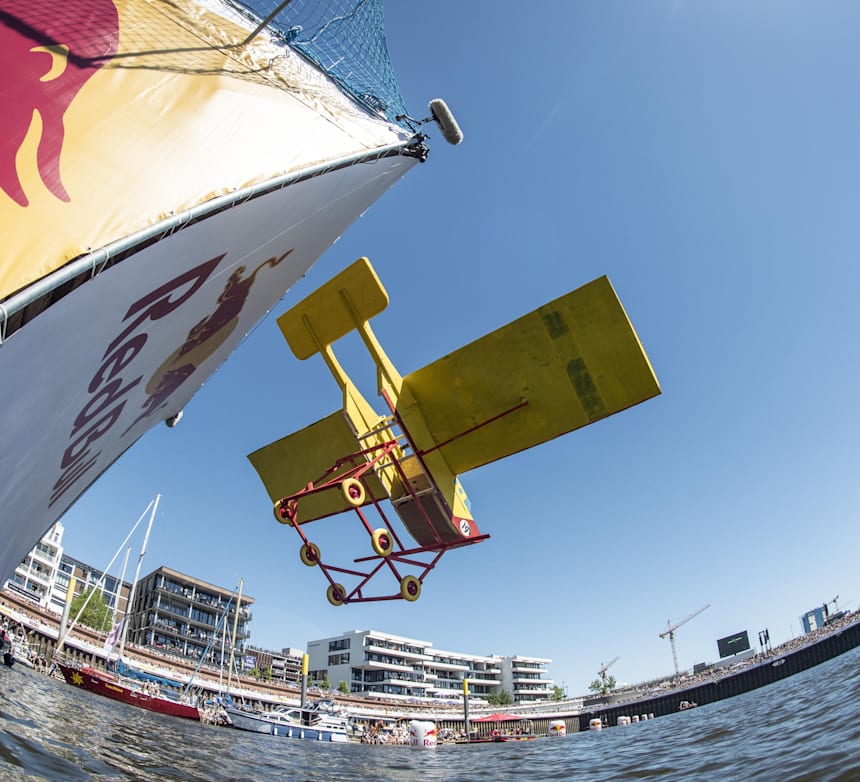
(362, 461)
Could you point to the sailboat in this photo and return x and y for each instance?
(120, 688)
(153, 693)
(168, 170)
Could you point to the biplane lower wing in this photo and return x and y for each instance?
(563, 366)
(287, 465)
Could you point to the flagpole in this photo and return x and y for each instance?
(130, 604)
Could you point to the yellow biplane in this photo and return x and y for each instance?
(561, 367)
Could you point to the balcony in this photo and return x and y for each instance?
(477, 672)
(386, 666)
(41, 577)
(44, 557)
(523, 669)
(520, 691)
(406, 682)
(448, 666)
(394, 651)
(487, 682)
(531, 681)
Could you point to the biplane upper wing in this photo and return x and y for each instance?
(286, 465)
(563, 366)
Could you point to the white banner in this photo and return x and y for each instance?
(86, 378)
(113, 637)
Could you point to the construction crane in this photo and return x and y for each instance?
(827, 614)
(670, 631)
(604, 668)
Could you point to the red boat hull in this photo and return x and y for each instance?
(110, 687)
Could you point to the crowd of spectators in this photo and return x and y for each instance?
(715, 674)
(380, 733)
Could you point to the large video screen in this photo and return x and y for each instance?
(732, 644)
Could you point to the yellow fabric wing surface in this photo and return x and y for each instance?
(572, 362)
(287, 465)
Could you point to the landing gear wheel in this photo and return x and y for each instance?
(309, 554)
(281, 513)
(336, 595)
(382, 542)
(410, 588)
(353, 492)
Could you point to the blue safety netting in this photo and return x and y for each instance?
(345, 38)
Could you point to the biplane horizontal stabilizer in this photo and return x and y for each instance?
(287, 465)
(334, 309)
(563, 366)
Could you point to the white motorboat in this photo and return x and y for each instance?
(322, 721)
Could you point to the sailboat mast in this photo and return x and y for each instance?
(119, 588)
(233, 641)
(221, 666)
(63, 635)
(130, 602)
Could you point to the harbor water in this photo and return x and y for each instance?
(806, 727)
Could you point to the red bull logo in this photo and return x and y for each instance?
(119, 372)
(203, 340)
(48, 51)
(422, 733)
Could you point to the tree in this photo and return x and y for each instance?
(500, 698)
(325, 683)
(343, 687)
(97, 614)
(557, 693)
(603, 686)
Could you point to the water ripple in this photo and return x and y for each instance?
(803, 729)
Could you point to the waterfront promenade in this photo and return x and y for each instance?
(658, 697)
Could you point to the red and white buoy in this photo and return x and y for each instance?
(422, 733)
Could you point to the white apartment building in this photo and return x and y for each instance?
(524, 678)
(45, 573)
(36, 576)
(393, 666)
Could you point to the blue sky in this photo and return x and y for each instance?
(702, 155)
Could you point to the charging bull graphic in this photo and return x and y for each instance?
(48, 51)
(203, 340)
